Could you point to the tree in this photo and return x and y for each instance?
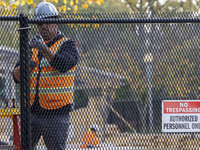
(160, 6)
(62, 5)
(146, 34)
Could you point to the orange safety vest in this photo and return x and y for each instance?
(89, 138)
(55, 88)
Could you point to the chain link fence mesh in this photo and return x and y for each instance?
(123, 73)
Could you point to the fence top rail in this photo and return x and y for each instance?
(118, 20)
(104, 20)
(9, 18)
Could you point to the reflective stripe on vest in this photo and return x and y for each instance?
(55, 88)
(52, 74)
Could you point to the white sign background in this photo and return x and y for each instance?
(181, 116)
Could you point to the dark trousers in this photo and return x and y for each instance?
(54, 130)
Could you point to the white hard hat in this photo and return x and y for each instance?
(45, 10)
(95, 127)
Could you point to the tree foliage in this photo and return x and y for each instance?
(163, 6)
(62, 5)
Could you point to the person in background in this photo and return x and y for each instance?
(52, 65)
(89, 139)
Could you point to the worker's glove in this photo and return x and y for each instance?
(90, 146)
(37, 42)
(33, 64)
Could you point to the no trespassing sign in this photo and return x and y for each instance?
(181, 116)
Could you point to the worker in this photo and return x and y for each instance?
(89, 138)
(52, 65)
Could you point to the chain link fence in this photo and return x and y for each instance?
(126, 66)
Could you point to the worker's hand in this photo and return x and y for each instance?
(90, 146)
(33, 64)
(37, 42)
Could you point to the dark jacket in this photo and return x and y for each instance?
(65, 59)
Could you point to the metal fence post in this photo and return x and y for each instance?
(25, 85)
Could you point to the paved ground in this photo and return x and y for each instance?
(7, 147)
(107, 147)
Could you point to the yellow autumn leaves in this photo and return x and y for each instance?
(14, 3)
(67, 5)
(75, 4)
(99, 2)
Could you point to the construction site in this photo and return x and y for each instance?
(133, 76)
(111, 137)
(96, 113)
